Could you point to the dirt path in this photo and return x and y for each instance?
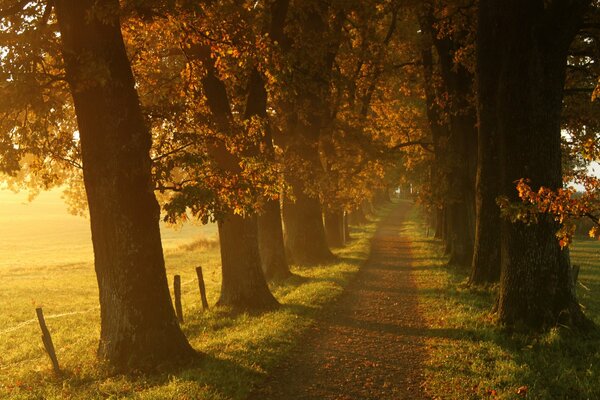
(369, 344)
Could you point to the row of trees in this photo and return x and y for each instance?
(509, 87)
(262, 115)
(220, 111)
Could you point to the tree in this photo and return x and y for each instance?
(521, 65)
(312, 51)
(243, 285)
(270, 227)
(138, 325)
(448, 27)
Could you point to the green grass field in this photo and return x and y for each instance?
(58, 274)
(470, 358)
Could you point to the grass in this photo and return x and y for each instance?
(240, 349)
(470, 358)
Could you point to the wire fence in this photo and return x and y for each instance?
(66, 314)
(53, 316)
(33, 321)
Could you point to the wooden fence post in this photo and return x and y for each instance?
(47, 340)
(202, 288)
(177, 290)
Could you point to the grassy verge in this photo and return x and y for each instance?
(471, 359)
(240, 350)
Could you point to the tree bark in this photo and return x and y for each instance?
(304, 232)
(335, 229)
(531, 42)
(139, 329)
(243, 287)
(485, 266)
(346, 228)
(271, 244)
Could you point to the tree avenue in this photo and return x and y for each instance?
(283, 122)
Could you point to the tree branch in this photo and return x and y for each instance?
(170, 153)
(425, 145)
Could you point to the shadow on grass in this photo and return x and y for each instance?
(557, 364)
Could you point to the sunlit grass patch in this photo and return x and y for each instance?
(470, 358)
(239, 349)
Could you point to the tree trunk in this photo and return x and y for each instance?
(139, 329)
(270, 228)
(439, 224)
(346, 228)
(357, 217)
(460, 156)
(335, 229)
(304, 232)
(439, 129)
(485, 266)
(271, 244)
(531, 43)
(243, 287)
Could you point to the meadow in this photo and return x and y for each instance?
(52, 268)
(470, 358)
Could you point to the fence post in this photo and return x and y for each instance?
(47, 340)
(202, 288)
(177, 290)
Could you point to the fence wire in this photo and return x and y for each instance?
(53, 316)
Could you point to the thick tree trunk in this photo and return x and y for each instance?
(485, 266)
(460, 206)
(335, 229)
(454, 140)
(139, 329)
(243, 287)
(304, 232)
(271, 244)
(531, 43)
